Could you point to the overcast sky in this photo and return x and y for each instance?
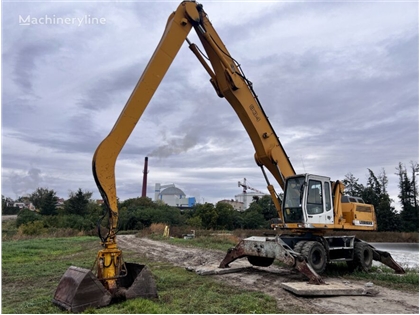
(339, 82)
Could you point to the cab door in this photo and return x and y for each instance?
(319, 200)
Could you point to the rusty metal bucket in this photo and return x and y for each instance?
(138, 282)
(79, 288)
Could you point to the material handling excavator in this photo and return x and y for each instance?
(311, 205)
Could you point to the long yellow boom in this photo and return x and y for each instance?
(229, 82)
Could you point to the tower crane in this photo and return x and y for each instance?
(245, 187)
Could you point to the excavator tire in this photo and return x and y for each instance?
(362, 259)
(298, 247)
(316, 255)
(260, 261)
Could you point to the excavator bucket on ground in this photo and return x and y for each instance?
(80, 289)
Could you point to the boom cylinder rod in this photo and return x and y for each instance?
(200, 58)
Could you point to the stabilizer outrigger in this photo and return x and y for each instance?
(261, 251)
(309, 254)
(385, 258)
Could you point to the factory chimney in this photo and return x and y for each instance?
(145, 171)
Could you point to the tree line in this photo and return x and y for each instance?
(138, 213)
(82, 213)
(79, 211)
(375, 193)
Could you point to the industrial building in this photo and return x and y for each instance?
(237, 205)
(173, 196)
(247, 198)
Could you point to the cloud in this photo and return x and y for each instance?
(27, 183)
(338, 81)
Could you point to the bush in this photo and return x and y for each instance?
(10, 210)
(74, 221)
(195, 222)
(157, 228)
(26, 216)
(33, 228)
(8, 229)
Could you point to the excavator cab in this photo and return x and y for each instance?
(308, 200)
(312, 201)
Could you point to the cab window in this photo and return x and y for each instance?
(314, 201)
(327, 194)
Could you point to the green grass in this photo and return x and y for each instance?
(212, 242)
(31, 271)
(182, 292)
(8, 229)
(32, 268)
(379, 275)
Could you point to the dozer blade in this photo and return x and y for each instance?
(79, 288)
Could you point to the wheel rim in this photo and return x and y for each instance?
(363, 256)
(316, 258)
(366, 256)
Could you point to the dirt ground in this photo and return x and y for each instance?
(8, 217)
(269, 279)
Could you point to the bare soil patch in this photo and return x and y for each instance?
(9, 217)
(269, 279)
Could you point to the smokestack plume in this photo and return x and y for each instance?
(145, 171)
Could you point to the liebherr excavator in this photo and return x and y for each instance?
(311, 204)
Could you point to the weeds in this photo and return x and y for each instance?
(379, 275)
(218, 242)
(382, 275)
(32, 269)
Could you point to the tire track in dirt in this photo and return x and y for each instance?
(269, 279)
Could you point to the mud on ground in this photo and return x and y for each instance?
(269, 279)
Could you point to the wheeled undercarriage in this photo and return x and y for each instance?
(309, 253)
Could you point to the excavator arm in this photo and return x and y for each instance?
(103, 165)
(229, 82)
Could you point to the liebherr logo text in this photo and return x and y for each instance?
(54, 20)
(254, 112)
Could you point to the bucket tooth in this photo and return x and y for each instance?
(79, 289)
